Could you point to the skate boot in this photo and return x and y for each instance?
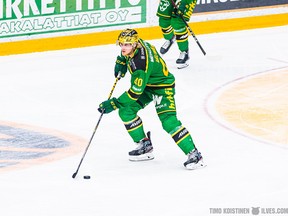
(143, 151)
(166, 46)
(182, 61)
(195, 160)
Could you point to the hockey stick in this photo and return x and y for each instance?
(111, 92)
(188, 27)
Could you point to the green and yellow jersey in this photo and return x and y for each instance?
(148, 70)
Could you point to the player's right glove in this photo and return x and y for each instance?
(120, 66)
(183, 9)
(108, 106)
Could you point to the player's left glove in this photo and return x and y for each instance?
(120, 66)
(181, 7)
(108, 106)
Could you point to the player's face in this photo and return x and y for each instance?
(126, 48)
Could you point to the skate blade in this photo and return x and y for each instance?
(144, 157)
(181, 66)
(193, 166)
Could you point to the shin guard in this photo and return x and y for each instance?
(183, 139)
(135, 129)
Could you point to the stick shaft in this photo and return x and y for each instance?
(111, 92)
(190, 30)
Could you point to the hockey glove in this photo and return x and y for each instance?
(120, 66)
(108, 106)
(181, 8)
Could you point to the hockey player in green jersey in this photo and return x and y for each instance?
(150, 81)
(173, 27)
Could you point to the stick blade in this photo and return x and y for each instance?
(74, 175)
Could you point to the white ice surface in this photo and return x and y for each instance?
(61, 90)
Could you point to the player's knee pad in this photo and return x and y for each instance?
(129, 113)
(179, 133)
(164, 22)
(178, 24)
(169, 121)
(126, 114)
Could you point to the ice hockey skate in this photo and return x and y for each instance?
(143, 151)
(166, 46)
(182, 61)
(194, 161)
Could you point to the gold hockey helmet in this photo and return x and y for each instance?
(128, 36)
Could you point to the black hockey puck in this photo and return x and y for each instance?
(86, 177)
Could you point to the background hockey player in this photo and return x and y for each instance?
(173, 27)
(150, 80)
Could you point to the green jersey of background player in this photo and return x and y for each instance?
(173, 27)
(150, 80)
